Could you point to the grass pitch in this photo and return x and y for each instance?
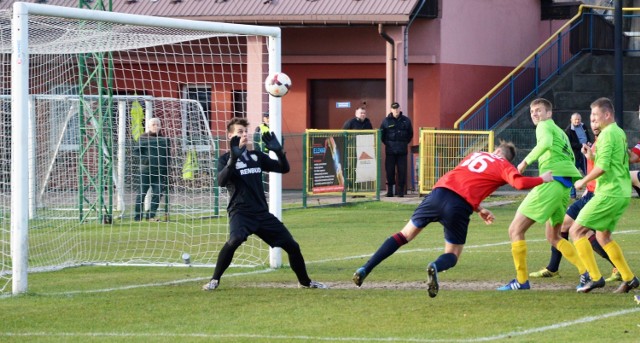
(162, 304)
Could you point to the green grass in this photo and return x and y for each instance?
(163, 304)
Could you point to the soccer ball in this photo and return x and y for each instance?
(277, 84)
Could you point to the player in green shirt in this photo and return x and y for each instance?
(611, 199)
(545, 203)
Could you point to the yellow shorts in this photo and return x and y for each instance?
(547, 201)
(602, 212)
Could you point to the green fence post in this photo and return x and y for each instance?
(305, 165)
(343, 167)
(216, 188)
(378, 164)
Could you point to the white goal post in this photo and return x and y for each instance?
(81, 84)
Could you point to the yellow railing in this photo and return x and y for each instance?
(529, 59)
(442, 150)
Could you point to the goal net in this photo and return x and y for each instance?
(82, 92)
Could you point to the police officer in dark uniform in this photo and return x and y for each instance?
(153, 150)
(240, 170)
(396, 134)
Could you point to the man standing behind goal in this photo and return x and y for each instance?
(153, 149)
(240, 170)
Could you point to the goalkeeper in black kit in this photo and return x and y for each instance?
(240, 170)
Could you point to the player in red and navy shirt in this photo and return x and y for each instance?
(634, 157)
(454, 197)
(240, 171)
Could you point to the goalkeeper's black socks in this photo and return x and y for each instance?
(388, 247)
(224, 260)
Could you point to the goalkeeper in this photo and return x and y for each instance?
(453, 198)
(240, 170)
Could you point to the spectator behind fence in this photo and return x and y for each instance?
(359, 122)
(396, 134)
(578, 135)
(153, 150)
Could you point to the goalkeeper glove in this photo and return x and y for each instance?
(235, 150)
(271, 142)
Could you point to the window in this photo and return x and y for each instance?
(240, 103)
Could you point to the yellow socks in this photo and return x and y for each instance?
(571, 254)
(615, 255)
(519, 253)
(585, 251)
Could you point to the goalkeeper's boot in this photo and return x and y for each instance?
(432, 280)
(637, 299)
(314, 284)
(591, 285)
(359, 276)
(211, 285)
(615, 276)
(626, 286)
(544, 273)
(514, 285)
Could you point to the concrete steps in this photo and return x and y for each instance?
(591, 77)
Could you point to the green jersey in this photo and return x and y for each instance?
(612, 157)
(553, 151)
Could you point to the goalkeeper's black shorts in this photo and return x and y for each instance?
(264, 225)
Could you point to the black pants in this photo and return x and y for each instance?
(393, 162)
(272, 231)
(149, 179)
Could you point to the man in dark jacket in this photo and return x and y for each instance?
(359, 122)
(578, 134)
(153, 149)
(396, 133)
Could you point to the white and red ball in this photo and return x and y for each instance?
(277, 84)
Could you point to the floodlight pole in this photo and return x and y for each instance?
(96, 5)
(618, 62)
(95, 125)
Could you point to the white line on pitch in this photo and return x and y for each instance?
(466, 247)
(406, 251)
(268, 270)
(156, 284)
(579, 321)
(552, 327)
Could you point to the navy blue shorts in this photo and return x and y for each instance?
(577, 205)
(264, 225)
(449, 209)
